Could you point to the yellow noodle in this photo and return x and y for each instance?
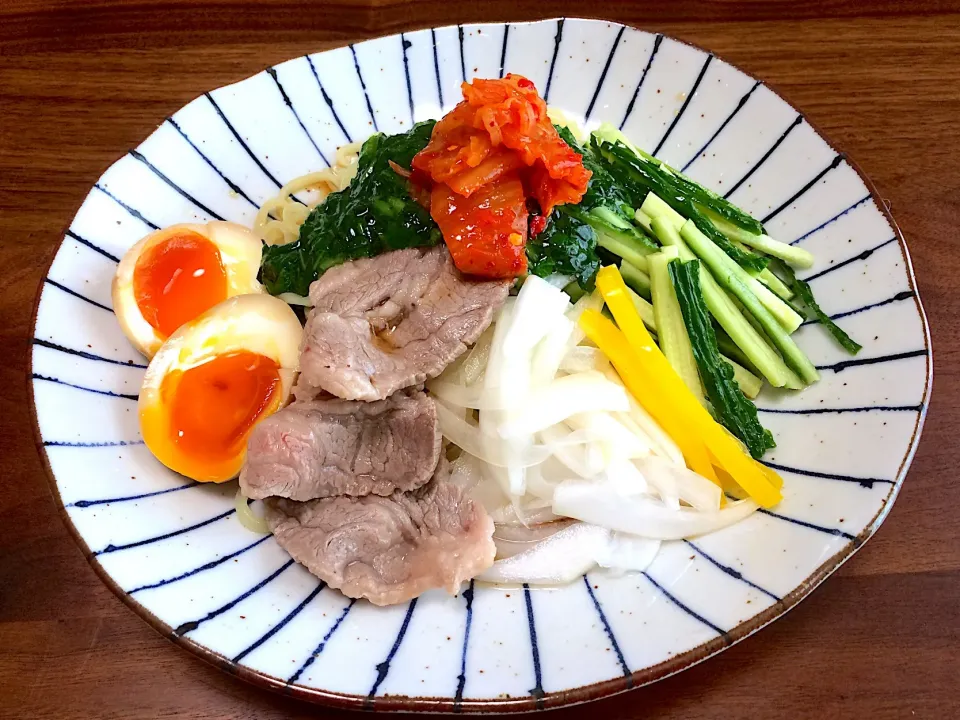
(279, 219)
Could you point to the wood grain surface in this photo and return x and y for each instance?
(81, 82)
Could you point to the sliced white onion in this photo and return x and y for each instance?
(471, 440)
(505, 380)
(539, 306)
(583, 358)
(549, 352)
(565, 396)
(569, 552)
(514, 539)
(601, 504)
(556, 439)
(524, 512)
(623, 477)
(686, 485)
(662, 442)
(475, 362)
(559, 559)
(628, 553)
(593, 301)
(293, 299)
(618, 442)
(468, 472)
(246, 516)
(558, 280)
(466, 396)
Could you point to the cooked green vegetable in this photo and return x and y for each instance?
(726, 273)
(753, 344)
(671, 331)
(567, 246)
(733, 410)
(602, 218)
(640, 176)
(804, 293)
(374, 214)
(706, 200)
(602, 191)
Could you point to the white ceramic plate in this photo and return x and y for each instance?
(175, 552)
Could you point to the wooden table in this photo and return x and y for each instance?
(81, 83)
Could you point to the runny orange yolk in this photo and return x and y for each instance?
(177, 279)
(208, 412)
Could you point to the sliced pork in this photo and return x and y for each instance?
(384, 323)
(388, 549)
(322, 448)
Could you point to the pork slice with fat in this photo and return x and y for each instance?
(323, 448)
(388, 549)
(388, 322)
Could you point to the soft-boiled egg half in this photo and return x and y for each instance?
(214, 379)
(173, 275)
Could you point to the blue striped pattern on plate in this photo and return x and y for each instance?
(175, 550)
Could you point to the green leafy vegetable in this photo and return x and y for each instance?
(374, 214)
(603, 190)
(639, 176)
(707, 200)
(803, 292)
(567, 246)
(734, 411)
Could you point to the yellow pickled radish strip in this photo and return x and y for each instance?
(724, 447)
(645, 389)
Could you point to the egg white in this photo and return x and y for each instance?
(260, 324)
(240, 252)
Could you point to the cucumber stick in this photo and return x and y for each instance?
(723, 269)
(749, 383)
(671, 331)
(654, 206)
(788, 253)
(645, 311)
(732, 408)
(785, 315)
(776, 284)
(637, 279)
(753, 345)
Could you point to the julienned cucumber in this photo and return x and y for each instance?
(705, 199)
(639, 176)
(637, 279)
(732, 408)
(749, 383)
(788, 253)
(720, 267)
(753, 345)
(786, 316)
(671, 330)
